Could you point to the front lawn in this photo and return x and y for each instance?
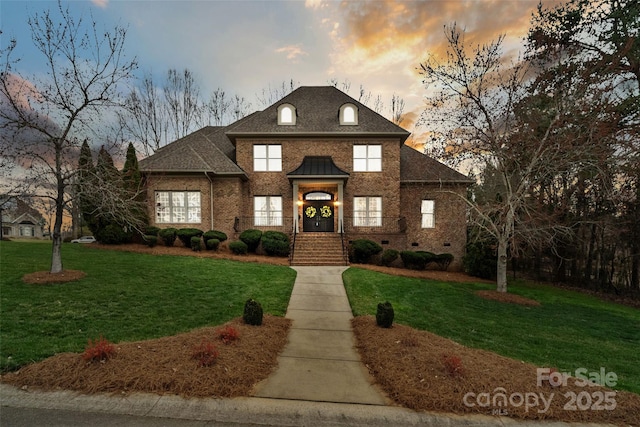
(125, 297)
(568, 331)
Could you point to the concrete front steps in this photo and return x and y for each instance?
(318, 249)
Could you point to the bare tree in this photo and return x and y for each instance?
(489, 115)
(44, 119)
(183, 102)
(144, 118)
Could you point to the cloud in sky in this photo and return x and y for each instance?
(292, 51)
(245, 46)
(100, 3)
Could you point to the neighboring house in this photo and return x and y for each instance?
(317, 165)
(19, 220)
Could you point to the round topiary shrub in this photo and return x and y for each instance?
(251, 238)
(389, 256)
(384, 315)
(151, 231)
(150, 240)
(214, 234)
(196, 241)
(213, 244)
(185, 235)
(413, 260)
(443, 261)
(168, 236)
(361, 251)
(238, 247)
(276, 243)
(252, 312)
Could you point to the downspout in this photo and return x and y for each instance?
(210, 201)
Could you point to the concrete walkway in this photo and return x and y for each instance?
(320, 362)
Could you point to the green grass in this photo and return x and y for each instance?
(569, 330)
(124, 297)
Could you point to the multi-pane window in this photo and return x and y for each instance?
(178, 207)
(367, 211)
(267, 210)
(428, 214)
(267, 158)
(367, 158)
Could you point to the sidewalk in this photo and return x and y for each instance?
(320, 362)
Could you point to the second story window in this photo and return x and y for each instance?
(367, 158)
(427, 210)
(267, 158)
(286, 114)
(348, 114)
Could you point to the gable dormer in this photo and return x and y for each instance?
(348, 114)
(286, 115)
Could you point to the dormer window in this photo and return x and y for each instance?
(348, 114)
(286, 114)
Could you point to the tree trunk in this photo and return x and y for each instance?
(502, 264)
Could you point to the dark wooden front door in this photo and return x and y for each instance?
(317, 216)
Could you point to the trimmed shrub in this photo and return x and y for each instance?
(214, 234)
(443, 261)
(413, 260)
(168, 236)
(151, 240)
(480, 260)
(185, 235)
(112, 234)
(252, 313)
(238, 247)
(389, 256)
(361, 250)
(384, 315)
(196, 243)
(251, 238)
(213, 244)
(151, 230)
(276, 243)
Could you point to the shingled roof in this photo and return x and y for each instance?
(317, 113)
(418, 167)
(206, 150)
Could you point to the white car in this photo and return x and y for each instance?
(84, 239)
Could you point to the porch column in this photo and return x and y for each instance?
(295, 207)
(340, 206)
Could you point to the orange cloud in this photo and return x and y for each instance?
(292, 51)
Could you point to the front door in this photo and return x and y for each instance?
(318, 216)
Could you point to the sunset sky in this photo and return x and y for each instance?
(244, 47)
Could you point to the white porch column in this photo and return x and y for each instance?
(340, 206)
(295, 206)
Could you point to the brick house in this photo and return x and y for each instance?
(317, 165)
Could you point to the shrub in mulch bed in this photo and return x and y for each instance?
(167, 365)
(426, 372)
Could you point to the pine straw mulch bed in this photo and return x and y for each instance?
(410, 366)
(166, 365)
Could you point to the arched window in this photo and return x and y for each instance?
(286, 114)
(348, 114)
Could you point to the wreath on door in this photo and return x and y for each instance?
(310, 212)
(325, 211)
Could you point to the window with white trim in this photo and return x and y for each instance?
(286, 114)
(267, 211)
(367, 158)
(348, 114)
(267, 158)
(367, 211)
(178, 207)
(428, 214)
